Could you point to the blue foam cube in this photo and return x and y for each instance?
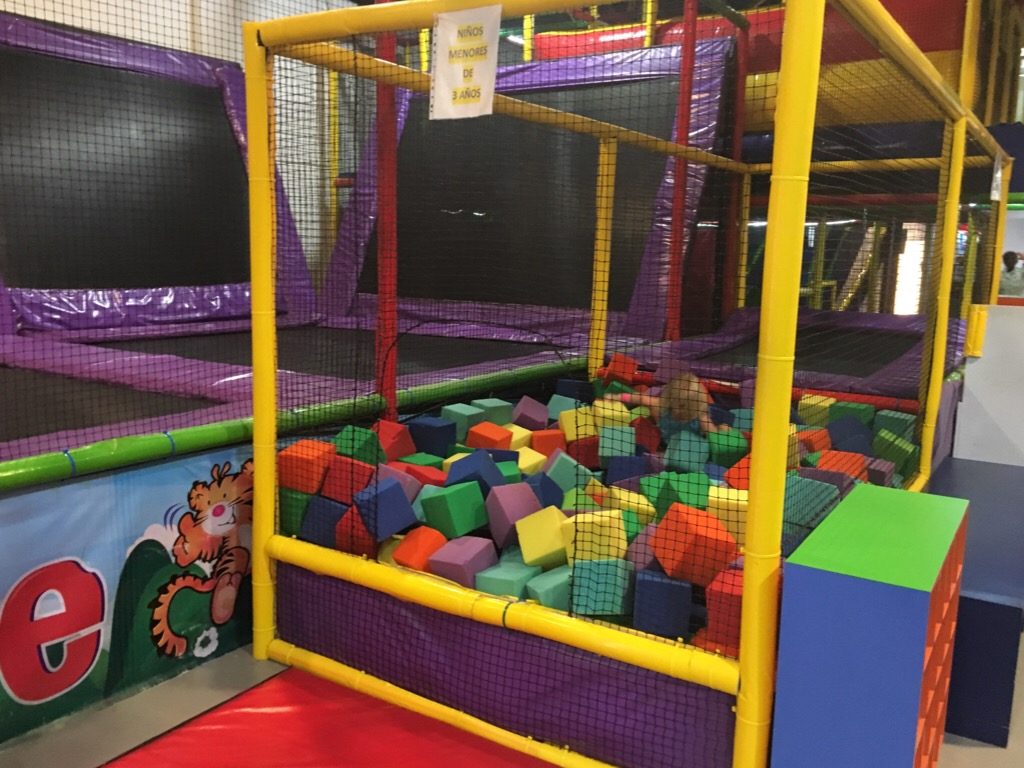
(720, 415)
(546, 490)
(432, 434)
(575, 390)
(715, 473)
(848, 433)
(622, 467)
(500, 454)
(385, 509)
(479, 466)
(662, 605)
(322, 516)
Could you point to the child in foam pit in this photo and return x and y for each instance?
(682, 404)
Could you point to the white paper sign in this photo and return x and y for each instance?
(465, 62)
(996, 194)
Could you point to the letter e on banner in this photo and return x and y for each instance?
(465, 63)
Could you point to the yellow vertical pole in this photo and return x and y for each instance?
(334, 144)
(743, 260)
(650, 13)
(992, 82)
(604, 208)
(997, 250)
(971, 263)
(787, 209)
(528, 26)
(258, 83)
(818, 268)
(424, 50)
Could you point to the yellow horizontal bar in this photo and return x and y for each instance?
(386, 17)
(329, 669)
(869, 166)
(681, 662)
(878, 25)
(343, 60)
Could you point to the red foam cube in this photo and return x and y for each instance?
(417, 547)
(488, 435)
(345, 478)
(621, 368)
(854, 465)
(647, 434)
(815, 440)
(738, 475)
(352, 536)
(394, 439)
(725, 603)
(692, 545)
(547, 441)
(585, 451)
(302, 465)
(426, 475)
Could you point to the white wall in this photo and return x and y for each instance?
(1014, 232)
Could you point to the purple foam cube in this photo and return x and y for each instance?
(841, 481)
(747, 393)
(640, 552)
(505, 505)
(410, 485)
(880, 472)
(530, 414)
(655, 463)
(629, 483)
(462, 559)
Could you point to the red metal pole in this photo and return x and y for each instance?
(733, 218)
(687, 61)
(386, 347)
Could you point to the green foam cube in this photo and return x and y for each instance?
(551, 589)
(511, 554)
(632, 523)
(291, 510)
(568, 473)
(651, 486)
(862, 412)
(611, 388)
(602, 587)
(899, 423)
(615, 441)
(807, 501)
(425, 493)
(464, 416)
(507, 578)
(577, 500)
(456, 510)
(360, 443)
(495, 410)
(425, 460)
(510, 471)
(641, 412)
(687, 452)
(895, 449)
(811, 459)
(689, 488)
(727, 447)
(560, 403)
(743, 419)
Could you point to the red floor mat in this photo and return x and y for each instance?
(295, 720)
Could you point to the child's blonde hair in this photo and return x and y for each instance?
(685, 398)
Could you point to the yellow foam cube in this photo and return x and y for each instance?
(530, 461)
(596, 490)
(577, 423)
(813, 409)
(729, 505)
(540, 537)
(447, 463)
(612, 413)
(793, 450)
(520, 436)
(635, 502)
(595, 536)
(386, 551)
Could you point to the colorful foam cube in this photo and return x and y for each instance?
(302, 465)
(615, 441)
(410, 485)
(425, 493)
(566, 471)
(738, 475)
(747, 393)
(540, 537)
(574, 389)
(424, 460)
(811, 459)
(661, 605)
(602, 587)
(547, 441)
(863, 412)
(488, 435)
(806, 504)
(693, 545)
(842, 482)
(546, 490)
(715, 473)
(530, 414)
(446, 465)
(291, 509)
(559, 404)
(622, 368)
(853, 464)
(394, 439)
(881, 471)
(632, 523)
(345, 477)
(418, 546)
(351, 535)
(640, 552)
(899, 423)
(814, 409)
(730, 506)
(463, 416)
(551, 589)
(720, 415)
(478, 467)
(385, 509)
(743, 419)
(896, 449)
(648, 436)
(360, 443)
(577, 423)
(793, 448)
(578, 500)
(432, 434)
(502, 454)
(687, 452)
(621, 467)
(496, 410)
(511, 554)
(507, 578)
(724, 596)
(322, 516)
(850, 434)
(530, 461)
(815, 440)
(505, 505)
(689, 488)
(585, 451)
(612, 413)
(510, 471)
(461, 559)
(633, 501)
(456, 509)
(425, 475)
(520, 437)
(595, 536)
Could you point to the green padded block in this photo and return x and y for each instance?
(552, 588)
(510, 471)
(568, 473)
(460, 448)
(507, 578)
(631, 522)
(651, 486)
(456, 510)
(496, 410)
(641, 412)
(291, 510)
(689, 488)
(885, 535)
(615, 441)
(687, 452)
(743, 419)
(511, 554)
(360, 443)
(602, 587)
(811, 459)
(425, 460)
(727, 446)
(898, 480)
(559, 403)
(862, 412)
(577, 500)
(806, 502)
(899, 423)
(425, 493)
(464, 416)
(611, 388)
(895, 449)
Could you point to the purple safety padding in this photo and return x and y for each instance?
(604, 709)
(945, 424)
(59, 309)
(643, 320)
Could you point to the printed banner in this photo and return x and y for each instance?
(465, 63)
(112, 581)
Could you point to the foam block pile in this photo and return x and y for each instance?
(581, 503)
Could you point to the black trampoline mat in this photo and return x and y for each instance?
(336, 352)
(856, 352)
(37, 403)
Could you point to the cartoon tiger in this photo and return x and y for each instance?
(218, 532)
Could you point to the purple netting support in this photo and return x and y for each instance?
(83, 309)
(601, 708)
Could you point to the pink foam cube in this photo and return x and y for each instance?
(530, 414)
(505, 505)
(462, 559)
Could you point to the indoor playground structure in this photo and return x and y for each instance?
(525, 411)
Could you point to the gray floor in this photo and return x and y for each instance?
(93, 737)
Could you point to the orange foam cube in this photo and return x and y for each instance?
(621, 368)
(302, 465)
(738, 475)
(547, 441)
(815, 440)
(351, 535)
(394, 439)
(426, 475)
(488, 435)
(417, 546)
(346, 477)
(692, 545)
(853, 464)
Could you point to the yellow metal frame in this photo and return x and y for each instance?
(607, 157)
(743, 261)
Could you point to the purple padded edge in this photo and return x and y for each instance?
(53, 309)
(340, 298)
(604, 709)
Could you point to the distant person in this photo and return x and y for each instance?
(1011, 280)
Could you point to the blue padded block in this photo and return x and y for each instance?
(661, 605)
(577, 390)
(715, 472)
(500, 454)
(385, 509)
(478, 466)
(621, 467)
(432, 434)
(850, 434)
(720, 415)
(547, 491)
(855, 444)
(743, 419)
(829, 640)
(794, 416)
(322, 516)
